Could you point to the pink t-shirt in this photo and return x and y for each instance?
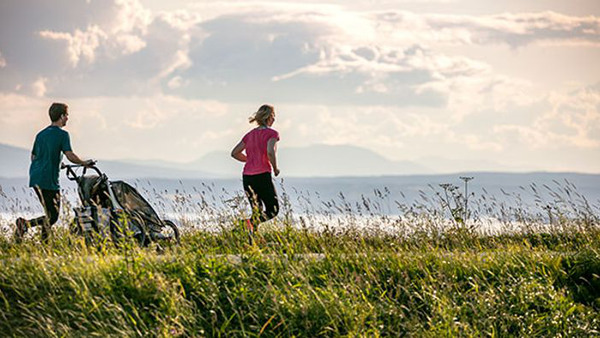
(257, 161)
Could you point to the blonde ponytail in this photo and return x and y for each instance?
(262, 114)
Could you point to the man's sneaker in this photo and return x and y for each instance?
(21, 229)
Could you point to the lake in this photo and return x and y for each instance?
(494, 197)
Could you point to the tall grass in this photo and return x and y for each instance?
(418, 273)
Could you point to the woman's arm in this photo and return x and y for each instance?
(237, 152)
(272, 154)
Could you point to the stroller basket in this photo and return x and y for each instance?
(92, 219)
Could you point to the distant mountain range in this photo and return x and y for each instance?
(317, 160)
(15, 163)
(311, 161)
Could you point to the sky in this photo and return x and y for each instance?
(481, 84)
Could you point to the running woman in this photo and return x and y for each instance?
(260, 157)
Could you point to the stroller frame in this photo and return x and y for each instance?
(105, 211)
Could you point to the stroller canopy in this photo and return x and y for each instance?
(133, 203)
(92, 191)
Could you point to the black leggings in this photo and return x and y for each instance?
(261, 192)
(50, 200)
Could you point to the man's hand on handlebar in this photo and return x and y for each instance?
(89, 163)
(86, 164)
(73, 176)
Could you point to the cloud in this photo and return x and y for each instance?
(366, 59)
(282, 56)
(119, 36)
(179, 61)
(513, 29)
(574, 118)
(181, 20)
(39, 87)
(66, 41)
(23, 116)
(143, 127)
(560, 119)
(175, 82)
(112, 59)
(241, 52)
(2, 61)
(81, 44)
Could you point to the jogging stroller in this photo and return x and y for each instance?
(115, 209)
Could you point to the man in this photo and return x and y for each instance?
(46, 157)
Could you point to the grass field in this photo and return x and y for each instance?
(297, 281)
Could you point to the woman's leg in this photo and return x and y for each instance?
(268, 195)
(261, 192)
(250, 188)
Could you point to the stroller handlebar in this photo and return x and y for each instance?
(71, 175)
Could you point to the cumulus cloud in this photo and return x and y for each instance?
(81, 44)
(381, 57)
(2, 61)
(574, 118)
(181, 20)
(517, 29)
(222, 50)
(560, 119)
(122, 35)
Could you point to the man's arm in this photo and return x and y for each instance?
(75, 159)
(237, 152)
(272, 154)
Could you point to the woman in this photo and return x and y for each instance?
(260, 157)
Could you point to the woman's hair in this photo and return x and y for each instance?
(57, 110)
(262, 114)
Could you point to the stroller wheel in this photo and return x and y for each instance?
(75, 229)
(118, 234)
(141, 238)
(170, 231)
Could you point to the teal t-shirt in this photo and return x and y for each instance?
(48, 147)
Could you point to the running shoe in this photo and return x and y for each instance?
(20, 229)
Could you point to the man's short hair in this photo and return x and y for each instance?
(57, 110)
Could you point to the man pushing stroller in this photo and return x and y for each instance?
(46, 156)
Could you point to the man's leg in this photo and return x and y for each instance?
(23, 224)
(50, 200)
(52, 207)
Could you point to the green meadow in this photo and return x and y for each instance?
(294, 280)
